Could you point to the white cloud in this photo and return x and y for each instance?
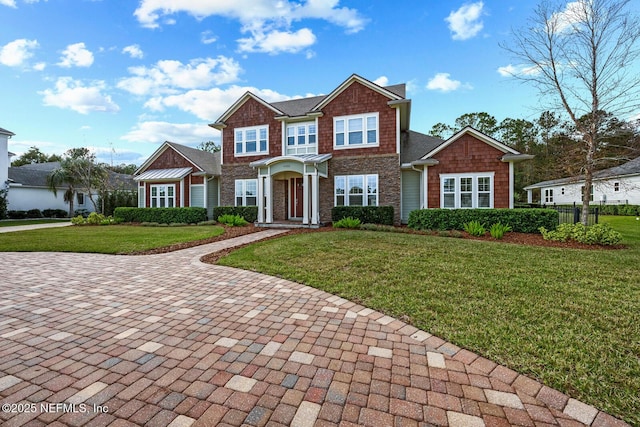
(15, 53)
(514, 71)
(207, 37)
(442, 82)
(573, 13)
(134, 51)
(72, 94)
(276, 41)
(210, 104)
(268, 22)
(157, 132)
(167, 76)
(10, 3)
(382, 81)
(465, 22)
(76, 55)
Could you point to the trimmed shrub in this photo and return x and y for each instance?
(597, 234)
(34, 213)
(249, 213)
(520, 220)
(108, 202)
(366, 214)
(161, 215)
(232, 220)
(347, 222)
(54, 213)
(17, 214)
(82, 212)
(626, 210)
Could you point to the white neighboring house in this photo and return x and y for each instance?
(616, 185)
(5, 157)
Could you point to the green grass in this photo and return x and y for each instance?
(570, 318)
(13, 223)
(111, 239)
(629, 226)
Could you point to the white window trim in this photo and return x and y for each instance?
(346, 119)
(296, 146)
(548, 195)
(474, 197)
(365, 194)
(244, 192)
(166, 197)
(244, 141)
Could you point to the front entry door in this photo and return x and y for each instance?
(295, 197)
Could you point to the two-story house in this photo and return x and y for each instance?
(297, 159)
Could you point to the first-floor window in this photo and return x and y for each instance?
(590, 193)
(356, 190)
(80, 199)
(548, 195)
(163, 196)
(616, 186)
(466, 191)
(246, 192)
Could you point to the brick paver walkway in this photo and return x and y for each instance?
(165, 340)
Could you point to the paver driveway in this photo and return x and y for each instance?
(166, 340)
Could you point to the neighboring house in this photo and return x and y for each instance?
(616, 185)
(28, 188)
(298, 159)
(179, 176)
(5, 156)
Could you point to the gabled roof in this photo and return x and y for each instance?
(477, 134)
(6, 132)
(203, 161)
(630, 168)
(303, 106)
(239, 103)
(392, 95)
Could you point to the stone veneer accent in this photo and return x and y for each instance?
(228, 181)
(386, 166)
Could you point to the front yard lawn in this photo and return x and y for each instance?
(113, 239)
(570, 318)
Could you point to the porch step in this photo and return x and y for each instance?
(286, 224)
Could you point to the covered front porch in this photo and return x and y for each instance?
(289, 189)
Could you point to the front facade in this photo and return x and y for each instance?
(616, 185)
(295, 160)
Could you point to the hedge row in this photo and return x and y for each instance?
(36, 213)
(628, 210)
(520, 220)
(366, 214)
(249, 213)
(161, 215)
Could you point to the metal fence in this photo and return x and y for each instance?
(573, 214)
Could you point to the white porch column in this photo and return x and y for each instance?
(260, 199)
(315, 200)
(269, 196)
(425, 186)
(529, 196)
(511, 185)
(305, 198)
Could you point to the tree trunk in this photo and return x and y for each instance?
(588, 181)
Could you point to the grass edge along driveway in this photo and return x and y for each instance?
(570, 318)
(111, 239)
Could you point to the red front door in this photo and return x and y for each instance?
(295, 198)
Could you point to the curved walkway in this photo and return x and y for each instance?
(164, 339)
(13, 228)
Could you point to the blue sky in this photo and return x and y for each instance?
(121, 77)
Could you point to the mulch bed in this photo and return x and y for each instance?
(231, 232)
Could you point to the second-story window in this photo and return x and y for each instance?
(355, 131)
(301, 138)
(251, 141)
